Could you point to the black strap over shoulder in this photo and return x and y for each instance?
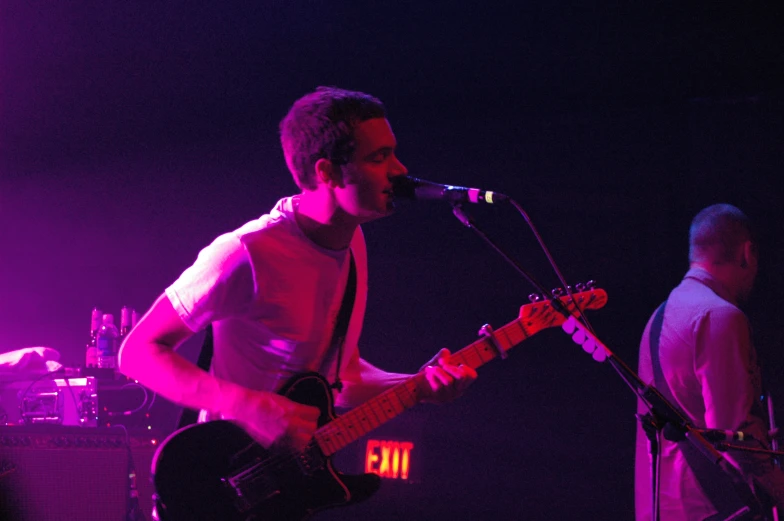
(344, 316)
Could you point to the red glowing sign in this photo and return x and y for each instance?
(389, 459)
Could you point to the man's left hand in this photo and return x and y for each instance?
(445, 381)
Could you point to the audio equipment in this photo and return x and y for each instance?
(57, 473)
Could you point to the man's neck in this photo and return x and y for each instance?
(323, 222)
(724, 275)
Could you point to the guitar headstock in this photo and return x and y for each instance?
(539, 314)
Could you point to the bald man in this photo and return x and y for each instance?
(697, 351)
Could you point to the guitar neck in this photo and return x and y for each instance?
(361, 420)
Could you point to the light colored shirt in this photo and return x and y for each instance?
(273, 298)
(709, 363)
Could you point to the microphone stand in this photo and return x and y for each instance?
(664, 417)
(774, 444)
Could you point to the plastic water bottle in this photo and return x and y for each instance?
(91, 354)
(125, 322)
(106, 343)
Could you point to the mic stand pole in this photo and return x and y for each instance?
(664, 416)
(466, 219)
(774, 444)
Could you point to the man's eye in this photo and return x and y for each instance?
(380, 156)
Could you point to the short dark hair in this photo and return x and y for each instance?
(321, 125)
(717, 232)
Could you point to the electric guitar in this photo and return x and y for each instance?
(216, 471)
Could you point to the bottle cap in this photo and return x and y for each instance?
(95, 319)
(108, 318)
(125, 316)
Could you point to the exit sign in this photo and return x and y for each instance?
(390, 459)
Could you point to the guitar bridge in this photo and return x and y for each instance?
(251, 487)
(311, 460)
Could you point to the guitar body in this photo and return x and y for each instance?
(215, 471)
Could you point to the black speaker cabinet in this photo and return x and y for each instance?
(56, 473)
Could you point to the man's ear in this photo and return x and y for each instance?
(748, 255)
(327, 172)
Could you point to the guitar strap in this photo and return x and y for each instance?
(344, 316)
(723, 492)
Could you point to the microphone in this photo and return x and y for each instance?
(406, 187)
(719, 435)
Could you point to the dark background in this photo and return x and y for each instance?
(133, 133)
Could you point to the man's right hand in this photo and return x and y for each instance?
(272, 419)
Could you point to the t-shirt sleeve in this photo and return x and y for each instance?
(218, 285)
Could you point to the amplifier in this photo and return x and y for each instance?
(60, 473)
(61, 401)
(85, 401)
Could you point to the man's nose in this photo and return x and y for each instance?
(398, 168)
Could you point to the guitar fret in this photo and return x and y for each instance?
(409, 391)
(351, 428)
(523, 331)
(505, 334)
(340, 437)
(366, 418)
(371, 409)
(362, 428)
(325, 440)
(392, 405)
(475, 355)
(461, 357)
(486, 348)
(379, 410)
(356, 423)
(372, 419)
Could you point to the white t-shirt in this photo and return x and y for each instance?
(272, 296)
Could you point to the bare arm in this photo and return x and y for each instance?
(148, 355)
(443, 382)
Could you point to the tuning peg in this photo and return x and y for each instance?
(557, 292)
(534, 297)
(580, 287)
(591, 284)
